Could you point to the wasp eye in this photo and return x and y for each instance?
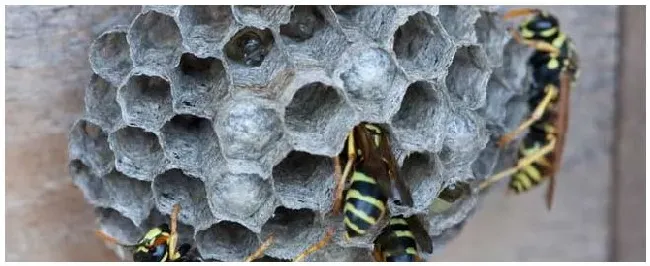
(544, 24)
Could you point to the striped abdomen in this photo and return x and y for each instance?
(365, 204)
(401, 244)
(533, 174)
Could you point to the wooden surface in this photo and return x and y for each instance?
(47, 218)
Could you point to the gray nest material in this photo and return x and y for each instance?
(178, 111)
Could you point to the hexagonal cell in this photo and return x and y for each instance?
(89, 144)
(205, 27)
(131, 197)
(492, 34)
(243, 198)
(423, 108)
(468, 76)
(374, 23)
(466, 137)
(486, 161)
(293, 231)
(459, 22)
(252, 135)
(371, 81)
(318, 116)
(155, 41)
(137, 153)
(422, 172)
(494, 111)
(439, 223)
(100, 104)
(146, 101)
(226, 241)
(304, 23)
(514, 70)
(190, 144)
(110, 57)
(303, 180)
(262, 16)
(198, 84)
(422, 47)
(174, 186)
(117, 226)
(249, 46)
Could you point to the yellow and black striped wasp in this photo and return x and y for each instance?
(159, 244)
(399, 241)
(555, 70)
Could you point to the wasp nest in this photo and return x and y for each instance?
(235, 113)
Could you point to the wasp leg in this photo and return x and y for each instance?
(523, 162)
(173, 234)
(260, 251)
(315, 247)
(518, 12)
(342, 178)
(376, 254)
(536, 115)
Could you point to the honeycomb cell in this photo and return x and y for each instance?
(100, 105)
(468, 76)
(137, 153)
(494, 110)
(243, 198)
(254, 133)
(89, 144)
(249, 46)
(422, 172)
(485, 162)
(459, 22)
(190, 144)
(117, 226)
(172, 187)
(492, 35)
(466, 135)
(155, 41)
(198, 84)
(304, 23)
(205, 27)
(110, 57)
(371, 23)
(146, 101)
(317, 117)
(226, 241)
(453, 217)
(303, 180)
(371, 81)
(131, 197)
(262, 16)
(422, 46)
(423, 107)
(514, 70)
(293, 231)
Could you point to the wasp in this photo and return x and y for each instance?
(159, 244)
(449, 196)
(554, 65)
(399, 241)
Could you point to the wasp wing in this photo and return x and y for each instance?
(372, 162)
(396, 179)
(561, 125)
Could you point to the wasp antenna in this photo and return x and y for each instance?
(519, 12)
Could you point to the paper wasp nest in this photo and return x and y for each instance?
(175, 112)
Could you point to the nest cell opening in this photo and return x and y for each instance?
(468, 76)
(492, 34)
(291, 230)
(313, 108)
(249, 46)
(100, 103)
(459, 22)
(190, 142)
(202, 82)
(137, 153)
(418, 108)
(87, 182)
(304, 23)
(155, 41)
(90, 144)
(117, 226)
(174, 186)
(110, 56)
(422, 172)
(302, 180)
(146, 101)
(226, 241)
(203, 26)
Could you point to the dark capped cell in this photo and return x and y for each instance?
(250, 46)
(305, 21)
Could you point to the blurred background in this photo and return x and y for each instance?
(599, 210)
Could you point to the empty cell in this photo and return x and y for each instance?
(468, 76)
(249, 46)
(117, 226)
(199, 83)
(89, 144)
(89, 183)
(226, 241)
(466, 133)
(146, 101)
(204, 27)
(100, 104)
(175, 187)
(294, 230)
(422, 47)
(492, 34)
(314, 107)
(375, 23)
(190, 143)
(459, 22)
(304, 23)
(155, 41)
(245, 198)
(422, 172)
(110, 57)
(262, 16)
(423, 108)
(303, 180)
(137, 153)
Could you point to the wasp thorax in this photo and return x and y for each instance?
(249, 46)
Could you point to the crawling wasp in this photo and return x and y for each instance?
(397, 242)
(159, 244)
(555, 70)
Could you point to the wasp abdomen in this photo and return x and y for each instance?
(365, 204)
(402, 246)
